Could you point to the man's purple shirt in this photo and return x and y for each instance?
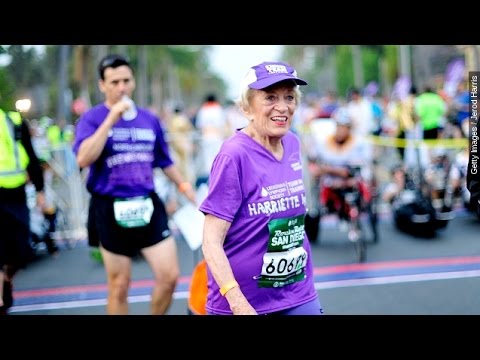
(133, 148)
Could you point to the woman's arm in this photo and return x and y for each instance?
(214, 233)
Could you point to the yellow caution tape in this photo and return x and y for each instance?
(430, 143)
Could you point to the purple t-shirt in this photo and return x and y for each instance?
(133, 148)
(264, 199)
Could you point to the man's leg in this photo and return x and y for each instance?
(163, 260)
(118, 269)
(7, 288)
(19, 248)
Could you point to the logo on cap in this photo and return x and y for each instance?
(266, 74)
(276, 69)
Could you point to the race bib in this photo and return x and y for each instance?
(285, 260)
(133, 212)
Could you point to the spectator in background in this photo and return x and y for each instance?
(235, 119)
(430, 109)
(360, 111)
(459, 108)
(402, 111)
(328, 105)
(180, 131)
(211, 121)
(18, 164)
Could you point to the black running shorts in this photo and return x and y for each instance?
(103, 228)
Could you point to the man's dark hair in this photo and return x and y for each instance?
(352, 91)
(111, 61)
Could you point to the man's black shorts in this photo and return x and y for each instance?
(103, 228)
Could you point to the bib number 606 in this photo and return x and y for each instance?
(284, 263)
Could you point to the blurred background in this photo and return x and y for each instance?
(61, 80)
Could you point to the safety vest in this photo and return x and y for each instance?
(54, 135)
(13, 156)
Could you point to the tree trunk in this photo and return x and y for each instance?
(63, 110)
(142, 79)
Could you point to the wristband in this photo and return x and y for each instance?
(184, 187)
(228, 286)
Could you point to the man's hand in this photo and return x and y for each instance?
(117, 110)
(191, 195)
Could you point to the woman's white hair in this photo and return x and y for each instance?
(243, 101)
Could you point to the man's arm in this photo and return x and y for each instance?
(184, 187)
(92, 147)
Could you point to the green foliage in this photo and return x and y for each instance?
(7, 91)
(391, 57)
(370, 59)
(185, 67)
(377, 49)
(25, 67)
(183, 57)
(344, 64)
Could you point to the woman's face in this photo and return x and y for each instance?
(271, 109)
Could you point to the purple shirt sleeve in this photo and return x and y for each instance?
(221, 203)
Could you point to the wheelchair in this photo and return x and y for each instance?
(354, 202)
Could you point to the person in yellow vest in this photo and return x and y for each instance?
(18, 165)
(54, 136)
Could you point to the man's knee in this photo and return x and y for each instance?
(118, 292)
(172, 275)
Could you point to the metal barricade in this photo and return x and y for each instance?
(69, 195)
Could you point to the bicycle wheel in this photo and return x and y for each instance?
(361, 250)
(355, 235)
